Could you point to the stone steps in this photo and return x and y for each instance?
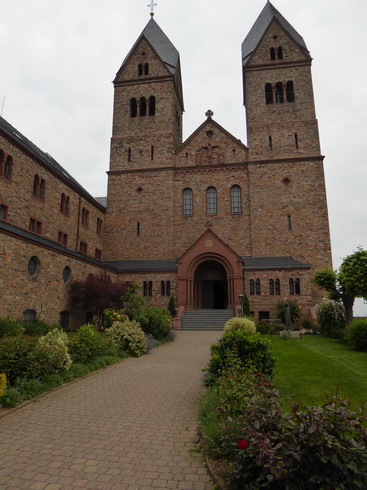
(206, 319)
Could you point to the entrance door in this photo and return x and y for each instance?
(211, 286)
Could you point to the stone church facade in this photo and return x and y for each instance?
(205, 219)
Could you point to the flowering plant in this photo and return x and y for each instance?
(110, 316)
(2, 383)
(128, 337)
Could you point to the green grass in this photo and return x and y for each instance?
(314, 367)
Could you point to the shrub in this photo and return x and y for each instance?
(51, 353)
(16, 356)
(330, 317)
(246, 306)
(38, 327)
(270, 327)
(88, 344)
(128, 337)
(29, 388)
(155, 321)
(172, 306)
(244, 350)
(356, 334)
(110, 316)
(11, 398)
(10, 326)
(240, 323)
(2, 383)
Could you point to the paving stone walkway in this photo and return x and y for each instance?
(130, 426)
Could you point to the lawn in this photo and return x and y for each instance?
(309, 369)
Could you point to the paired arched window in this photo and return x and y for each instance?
(281, 92)
(8, 168)
(165, 288)
(276, 53)
(143, 69)
(39, 187)
(85, 217)
(211, 200)
(236, 206)
(147, 288)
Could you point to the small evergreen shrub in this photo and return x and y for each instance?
(356, 334)
(172, 306)
(240, 323)
(17, 357)
(246, 306)
(128, 337)
(244, 350)
(51, 353)
(10, 326)
(331, 318)
(155, 321)
(11, 398)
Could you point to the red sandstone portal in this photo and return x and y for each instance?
(209, 275)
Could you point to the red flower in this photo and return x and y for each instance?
(242, 444)
(265, 383)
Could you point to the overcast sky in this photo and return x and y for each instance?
(58, 59)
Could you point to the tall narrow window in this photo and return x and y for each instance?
(3, 212)
(163, 288)
(272, 53)
(150, 288)
(168, 288)
(298, 286)
(271, 287)
(42, 189)
(2, 160)
(152, 105)
(99, 226)
(296, 140)
(152, 152)
(36, 185)
(64, 319)
(268, 93)
(145, 288)
(133, 107)
(146, 68)
(187, 202)
(35, 226)
(143, 106)
(138, 228)
(140, 69)
(236, 207)
(280, 53)
(279, 94)
(277, 287)
(289, 91)
(62, 203)
(270, 143)
(252, 287)
(211, 200)
(289, 219)
(8, 169)
(129, 155)
(258, 287)
(67, 205)
(291, 286)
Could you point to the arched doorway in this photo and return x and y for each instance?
(211, 286)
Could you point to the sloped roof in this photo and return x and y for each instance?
(257, 31)
(161, 44)
(154, 265)
(267, 263)
(47, 160)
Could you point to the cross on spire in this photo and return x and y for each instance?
(152, 5)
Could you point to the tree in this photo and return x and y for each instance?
(95, 294)
(347, 284)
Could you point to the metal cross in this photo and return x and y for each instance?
(152, 5)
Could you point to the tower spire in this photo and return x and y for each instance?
(152, 5)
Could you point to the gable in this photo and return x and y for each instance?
(210, 144)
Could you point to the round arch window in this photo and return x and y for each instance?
(66, 273)
(33, 266)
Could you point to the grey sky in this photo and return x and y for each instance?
(58, 60)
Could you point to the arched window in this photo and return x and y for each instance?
(272, 53)
(36, 185)
(258, 287)
(64, 319)
(269, 93)
(168, 288)
(150, 288)
(133, 107)
(29, 316)
(277, 287)
(187, 202)
(298, 286)
(152, 105)
(140, 69)
(289, 91)
(291, 286)
(271, 287)
(67, 205)
(143, 106)
(236, 206)
(211, 200)
(2, 159)
(63, 201)
(146, 68)
(279, 94)
(252, 287)
(145, 288)
(280, 53)
(42, 189)
(163, 288)
(8, 169)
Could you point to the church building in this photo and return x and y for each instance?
(204, 220)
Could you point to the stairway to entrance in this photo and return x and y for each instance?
(206, 319)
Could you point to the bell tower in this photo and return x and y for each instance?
(278, 93)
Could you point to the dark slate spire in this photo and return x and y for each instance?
(257, 31)
(160, 43)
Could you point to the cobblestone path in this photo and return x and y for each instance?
(130, 426)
